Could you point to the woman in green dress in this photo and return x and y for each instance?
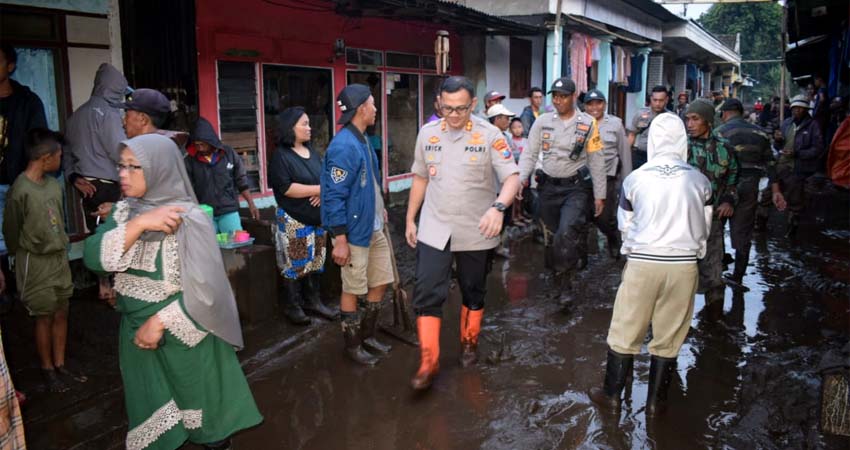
(179, 324)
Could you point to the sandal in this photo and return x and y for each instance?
(74, 375)
(52, 381)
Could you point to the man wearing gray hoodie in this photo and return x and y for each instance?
(94, 134)
(665, 213)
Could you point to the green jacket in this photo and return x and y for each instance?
(718, 163)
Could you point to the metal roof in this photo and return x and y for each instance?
(465, 20)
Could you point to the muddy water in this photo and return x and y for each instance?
(746, 379)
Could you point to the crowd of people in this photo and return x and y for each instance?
(661, 189)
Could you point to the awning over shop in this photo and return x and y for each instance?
(688, 39)
(465, 20)
(810, 18)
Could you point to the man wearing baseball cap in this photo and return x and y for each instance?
(712, 155)
(147, 110)
(752, 149)
(572, 178)
(800, 145)
(492, 98)
(353, 212)
(618, 165)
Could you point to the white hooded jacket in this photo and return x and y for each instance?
(665, 210)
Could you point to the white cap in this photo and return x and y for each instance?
(800, 101)
(499, 110)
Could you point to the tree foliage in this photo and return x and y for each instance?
(760, 25)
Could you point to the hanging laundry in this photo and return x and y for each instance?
(635, 80)
(578, 60)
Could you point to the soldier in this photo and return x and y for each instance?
(638, 131)
(710, 153)
(618, 165)
(457, 161)
(755, 160)
(682, 105)
(573, 172)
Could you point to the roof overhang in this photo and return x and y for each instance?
(689, 40)
(464, 20)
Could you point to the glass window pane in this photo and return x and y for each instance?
(309, 88)
(374, 133)
(36, 69)
(402, 60)
(36, 27)
(430, 91)
(402, 120)
(237, 100)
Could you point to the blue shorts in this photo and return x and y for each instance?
(227, 223)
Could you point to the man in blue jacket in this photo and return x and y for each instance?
(353, 212)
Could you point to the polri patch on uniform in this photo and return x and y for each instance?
(338, 175)
(433, 139)
(476, 139)
(432, 170)
(500, 145)
(546, 146)
(547, 136)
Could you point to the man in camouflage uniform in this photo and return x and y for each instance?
(711, 154)
(755, 160)
(639, 128)
(572, 179)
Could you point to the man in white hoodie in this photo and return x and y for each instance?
(664, 214)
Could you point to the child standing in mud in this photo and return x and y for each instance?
(35, 234)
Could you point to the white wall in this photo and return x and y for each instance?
(83, 61)
(498, 73)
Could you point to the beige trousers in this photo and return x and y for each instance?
(660, 294)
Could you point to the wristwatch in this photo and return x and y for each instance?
(499, 206)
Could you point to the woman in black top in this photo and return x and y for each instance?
(301, 243)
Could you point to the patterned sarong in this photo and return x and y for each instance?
(300, 248)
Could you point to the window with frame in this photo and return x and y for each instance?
(520, 67)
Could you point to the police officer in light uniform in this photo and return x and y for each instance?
(573, 172)
(457, 161)
(639, 129)
(618, 165)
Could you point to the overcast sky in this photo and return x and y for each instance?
(694, 11)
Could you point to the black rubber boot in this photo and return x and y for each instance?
(614, 244)
(353, 339)
(219, 445)
(564, 286)
(617, 370)
(311, 291)
(793, 223)
(660, 373)
(290, 299)
(369, 327)
(742, 259)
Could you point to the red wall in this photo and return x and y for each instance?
(288, 36)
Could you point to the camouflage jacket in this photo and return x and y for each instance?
(751, 145)
(718, 163)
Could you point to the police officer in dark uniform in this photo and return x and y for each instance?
(639, 129)
(751, 145)
(573, 172)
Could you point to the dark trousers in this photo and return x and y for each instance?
(607, 221)
(794, 190)
(638, 158)
(564, 212)
(744, 219)
(434, 273)
(104, 193)
(711, 266)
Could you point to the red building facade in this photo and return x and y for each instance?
(257, 57)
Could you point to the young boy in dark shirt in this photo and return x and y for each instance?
(35, 234)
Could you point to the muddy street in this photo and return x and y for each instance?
(745, 380)
(748, 378)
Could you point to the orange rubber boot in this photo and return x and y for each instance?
(429, 348)
(470, 327)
